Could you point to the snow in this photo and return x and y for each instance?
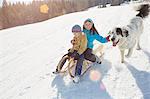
(29, 54)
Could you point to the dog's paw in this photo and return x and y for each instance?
(127, 56)
(138, 48)
(122, 61)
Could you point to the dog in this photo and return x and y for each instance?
(128, 36)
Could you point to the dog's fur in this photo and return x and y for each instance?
(127, 37)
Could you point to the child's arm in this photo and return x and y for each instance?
(101, 39)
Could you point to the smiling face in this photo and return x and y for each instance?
(117, 36)
(88, 25)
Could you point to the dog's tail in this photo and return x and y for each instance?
(144, 10)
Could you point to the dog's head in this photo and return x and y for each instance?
(118, 35)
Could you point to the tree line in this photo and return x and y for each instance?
(21, 13)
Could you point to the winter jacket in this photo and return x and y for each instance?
(93, 36)
(79, 44)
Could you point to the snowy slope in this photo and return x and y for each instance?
(28, 55)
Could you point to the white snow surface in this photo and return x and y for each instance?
(29, 54)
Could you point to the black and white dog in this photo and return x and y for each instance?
(127, 37)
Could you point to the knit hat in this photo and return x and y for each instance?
(76, 28)
(88, 20)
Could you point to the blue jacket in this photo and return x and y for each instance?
(93, 36)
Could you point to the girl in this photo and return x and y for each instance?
(91, 34)
(79, 43)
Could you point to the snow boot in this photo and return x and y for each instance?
(76, 79)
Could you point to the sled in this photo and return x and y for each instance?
(70, 68)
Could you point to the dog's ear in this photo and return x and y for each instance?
(119, 31)
(126, 32)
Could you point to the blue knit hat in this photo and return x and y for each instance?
(76, 28)
(89, 20)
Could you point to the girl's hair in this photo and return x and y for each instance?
(93, 29)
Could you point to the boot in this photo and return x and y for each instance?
(76, 79)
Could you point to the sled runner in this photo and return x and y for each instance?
(70, 66)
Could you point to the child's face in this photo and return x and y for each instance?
(77, 34)
(88, 25)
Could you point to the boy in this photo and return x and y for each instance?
(79, 43)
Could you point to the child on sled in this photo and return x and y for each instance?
(92, 34)
(79, 45)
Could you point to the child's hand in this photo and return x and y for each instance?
(74, 41)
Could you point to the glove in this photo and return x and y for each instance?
(108, 38)
(72, 42)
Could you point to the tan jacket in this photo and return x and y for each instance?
(79, 43)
